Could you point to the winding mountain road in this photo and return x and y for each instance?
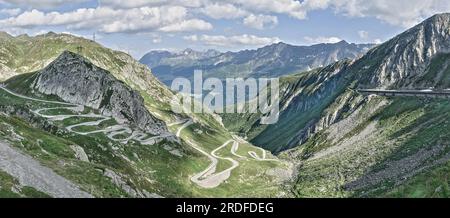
(110, 131)
(209, 178)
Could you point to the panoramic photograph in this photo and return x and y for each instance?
(224, 99)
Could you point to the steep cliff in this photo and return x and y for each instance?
(406, 61)
(76, 80)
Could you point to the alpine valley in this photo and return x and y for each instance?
(78, 119)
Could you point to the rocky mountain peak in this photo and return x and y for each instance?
(442, 19)
(403, 61)
(71, 57)
(74, 79)
(342, 42)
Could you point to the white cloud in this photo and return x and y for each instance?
(231, 41)
(321, 39)
(144, 19)
(292, 8)
(192, 38)
(363, 34)
(40, 3)
(187, 25)
(377, 41)
(405, 13)
(125, 4)
(10, 11)
(223, 11)
(260, 21)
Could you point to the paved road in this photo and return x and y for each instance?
(110, 132)
(209, 178)
(414, 93)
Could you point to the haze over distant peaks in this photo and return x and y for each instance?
(272, 60)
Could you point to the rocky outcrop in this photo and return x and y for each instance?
(80, 154)
(31, 173)
(404, 60)
(118, 180)
(76, 80)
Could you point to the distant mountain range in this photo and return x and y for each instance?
(270, 61)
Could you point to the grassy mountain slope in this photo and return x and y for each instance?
(303, 98)
(382, 145)
(163, 169)
(385, 146)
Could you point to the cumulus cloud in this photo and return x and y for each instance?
(40, 3)
(10, 11)
(405, 13)
(260, 21)
(187, 25)
(104, 19)
(223, 11)
(292, 8)
(321, 39)
(236, 40)
(124, 4)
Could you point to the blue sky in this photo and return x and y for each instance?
(139, 26)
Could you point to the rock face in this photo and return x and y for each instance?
(74, 79)
(31, 173)
(404, 61)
